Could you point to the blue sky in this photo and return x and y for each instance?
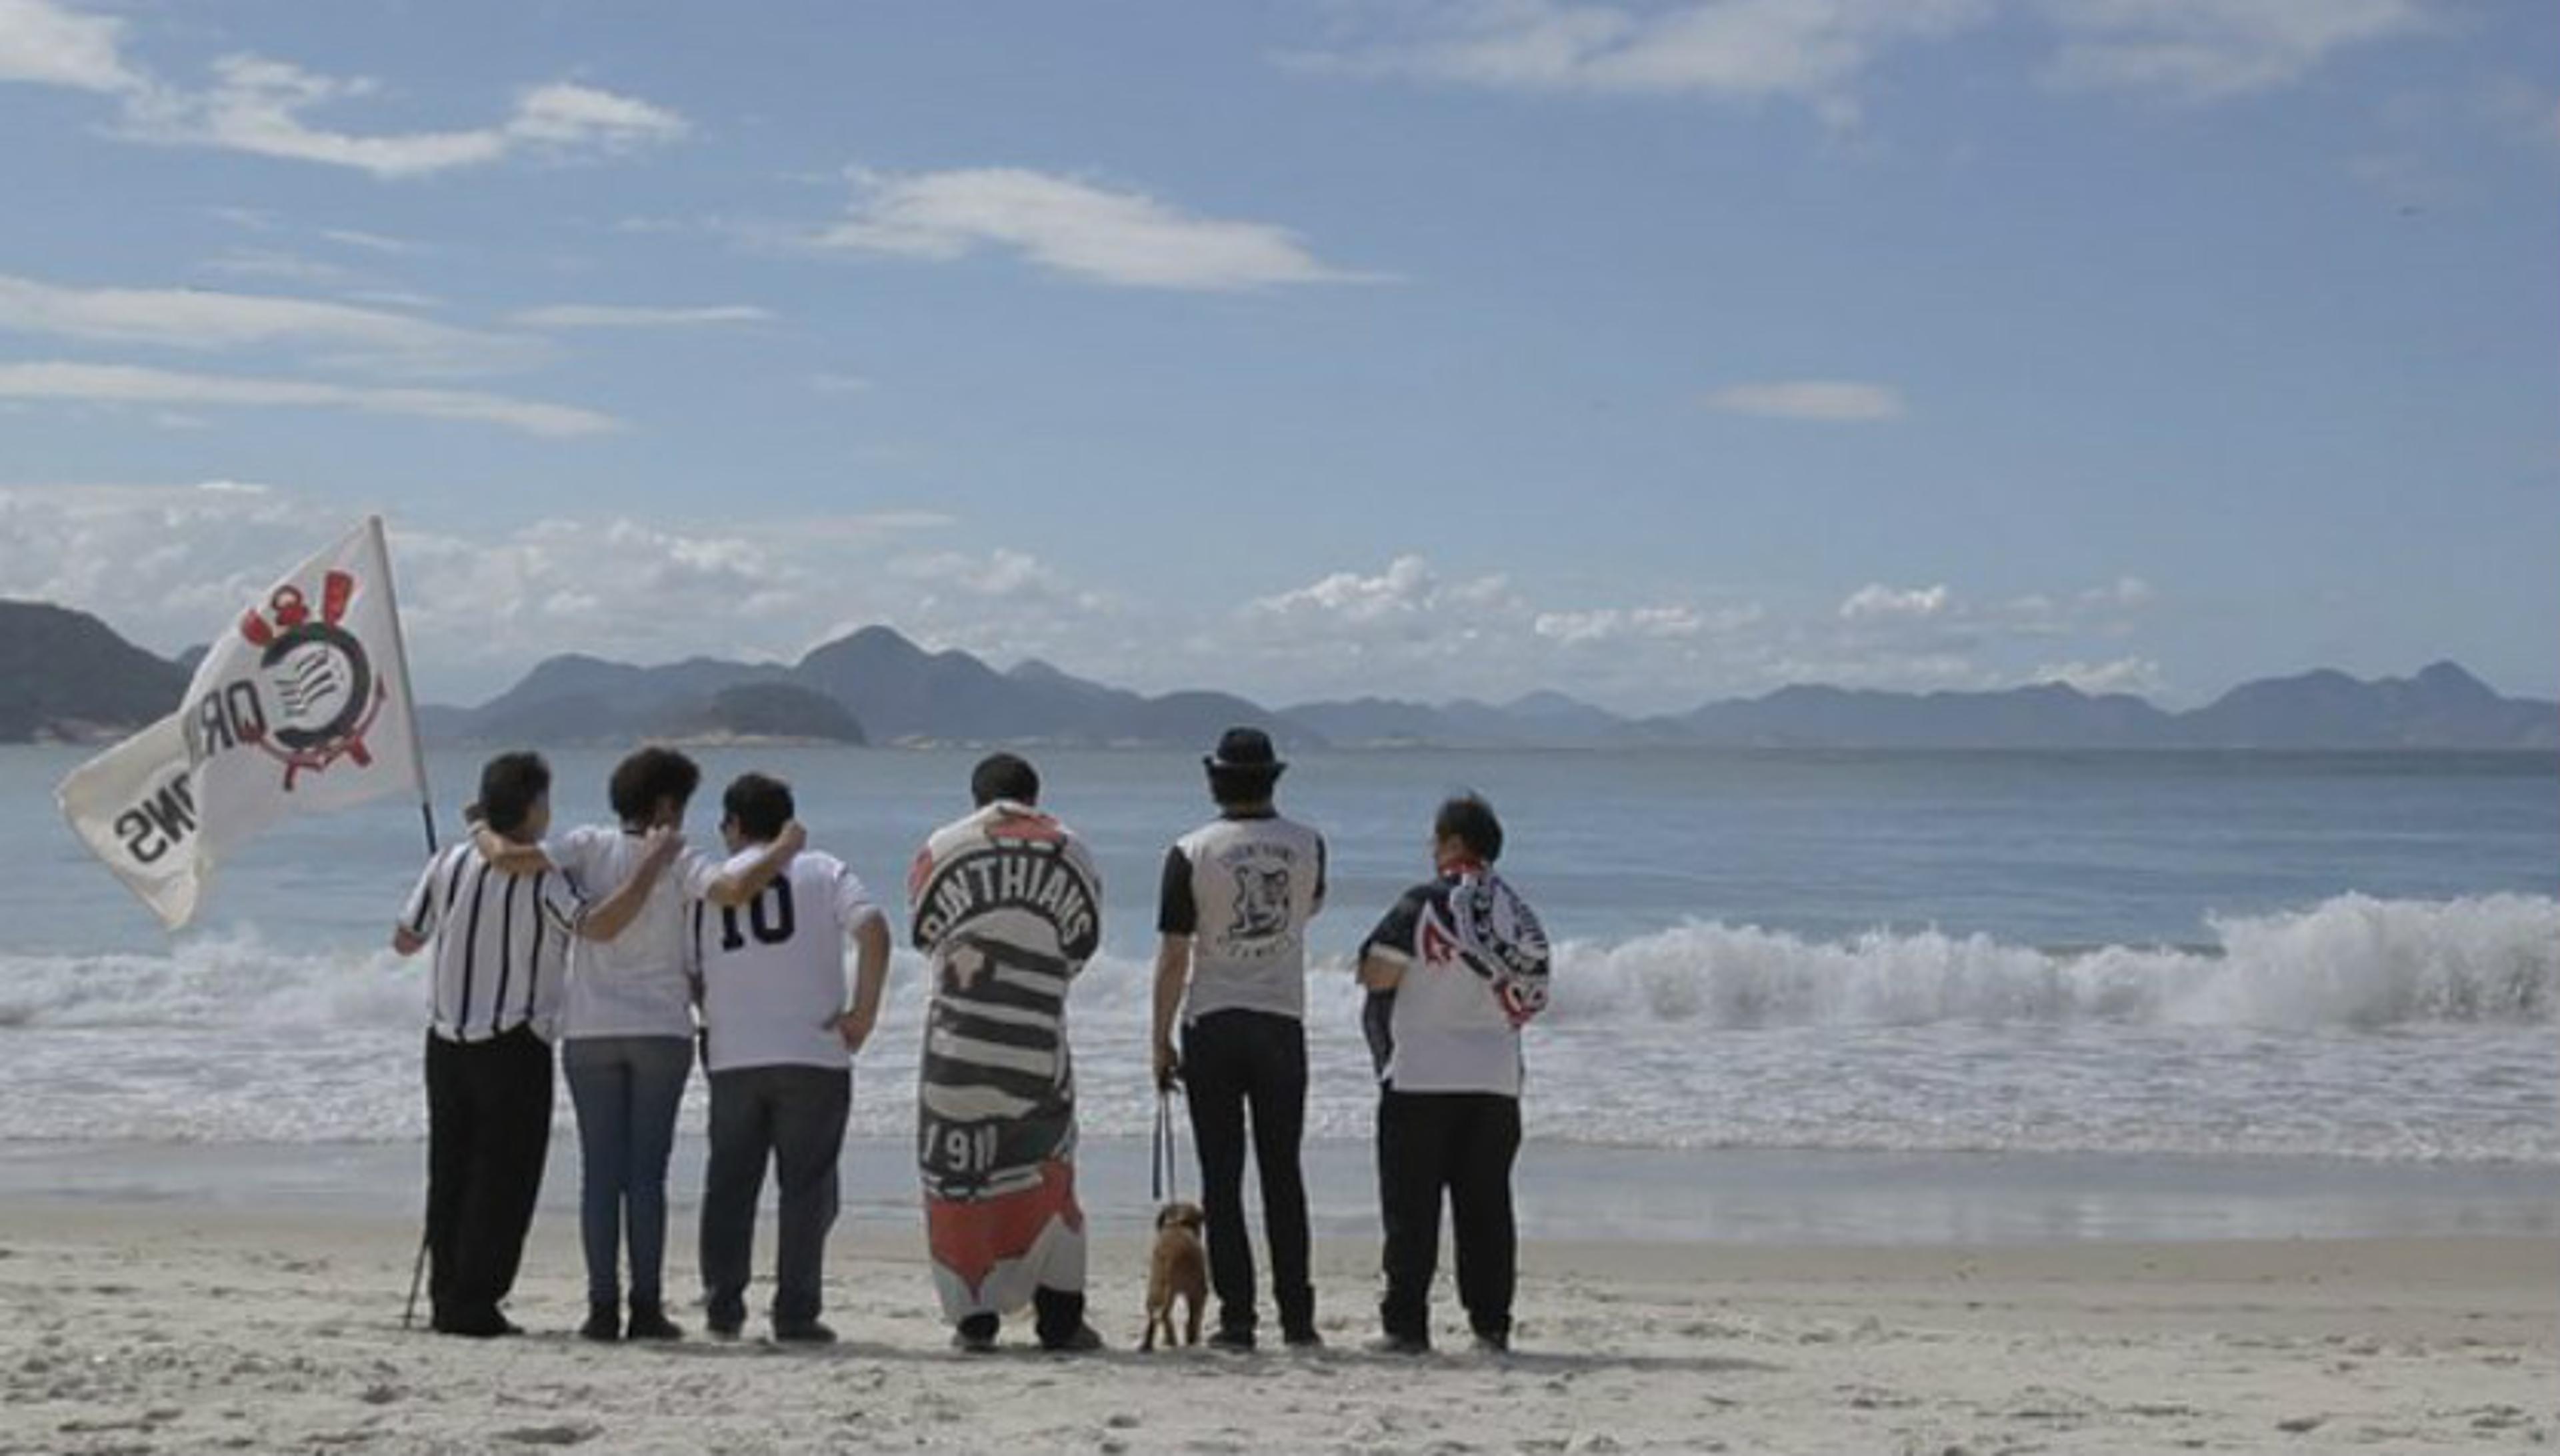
(1652, 352)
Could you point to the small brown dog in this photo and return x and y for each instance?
(1177, 1269)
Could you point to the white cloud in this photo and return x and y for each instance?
(576, 117)
(373, 242)
(2209, 50)
(1409, 632)
(1125, 239)
(248, 219)
(53, 45)
(117, 384)
(1875, 600)
(479, 606)
(261, 105)
(2137, 675)
(203, 319)
(1818, 51)
(1621, 624)
(635, 316)
(1823, 401)
(1002, 575)
(488, 600)
(2125, 592)
(395, 298)
(271, 262)
(1407, 590)
(1808, 50)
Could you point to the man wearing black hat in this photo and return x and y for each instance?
(1232, 960)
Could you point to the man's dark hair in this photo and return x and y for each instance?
(1468, 819)
(759, 804)
(648, 775)
(510, 784)
(1004, 776)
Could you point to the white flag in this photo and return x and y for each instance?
(300, 704)
(135, 806)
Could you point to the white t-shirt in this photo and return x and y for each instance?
(773, 969)
(1476, 969)
(640, 982)
(1242, 888)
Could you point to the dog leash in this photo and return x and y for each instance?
(1160, 1167)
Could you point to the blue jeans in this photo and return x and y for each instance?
(626, 1090)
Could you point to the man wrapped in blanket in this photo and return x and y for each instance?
(1008, 907)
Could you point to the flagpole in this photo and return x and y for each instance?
(408, 698)
(425, 819)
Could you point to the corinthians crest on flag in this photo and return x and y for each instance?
(300, 704)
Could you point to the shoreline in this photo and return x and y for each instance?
(1769, 1198)
(152, 1327)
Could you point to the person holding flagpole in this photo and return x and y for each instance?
(501, 950)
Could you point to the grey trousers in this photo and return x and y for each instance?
(794, 1116)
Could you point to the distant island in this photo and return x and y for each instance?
(877, 686)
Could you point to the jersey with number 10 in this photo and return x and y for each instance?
(773, 969)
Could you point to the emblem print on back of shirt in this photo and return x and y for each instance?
(1261, 902)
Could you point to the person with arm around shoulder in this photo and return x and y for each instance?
(1454, 971)
(780, 1027)
(628, 1022)
(1231, 965)
(500, 948)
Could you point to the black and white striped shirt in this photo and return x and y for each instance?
(501, 943)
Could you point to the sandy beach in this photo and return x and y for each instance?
(137, 1327)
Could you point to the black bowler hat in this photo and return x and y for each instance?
(1244, 752)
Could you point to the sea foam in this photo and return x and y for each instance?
(2350, 962)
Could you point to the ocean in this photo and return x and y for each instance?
(2192, 982)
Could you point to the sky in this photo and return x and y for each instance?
(1652, 351)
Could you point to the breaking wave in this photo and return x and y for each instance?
(2352, 962)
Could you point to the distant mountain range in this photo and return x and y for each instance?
(878, 687)
(67, 675)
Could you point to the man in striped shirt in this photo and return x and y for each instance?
(501, 945)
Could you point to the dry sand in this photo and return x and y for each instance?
(159, 1329)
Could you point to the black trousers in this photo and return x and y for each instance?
(1240, 1066)
(1463, 1143)
(794, 1116)
(488, 1127)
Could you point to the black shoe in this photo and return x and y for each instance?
(803, 1332)
(976, 1335)
(1231, 1340)
(650, 1321)
(603, 1323)
(1397, 1344)
(1085, 1340)
(723, 1324)
(477, 1325)
(1489, 1343)
(1306, 1339)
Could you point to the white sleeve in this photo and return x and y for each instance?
(425, 907)
(562, 905)
(695, 871)
(853, 904)
(571, 854)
